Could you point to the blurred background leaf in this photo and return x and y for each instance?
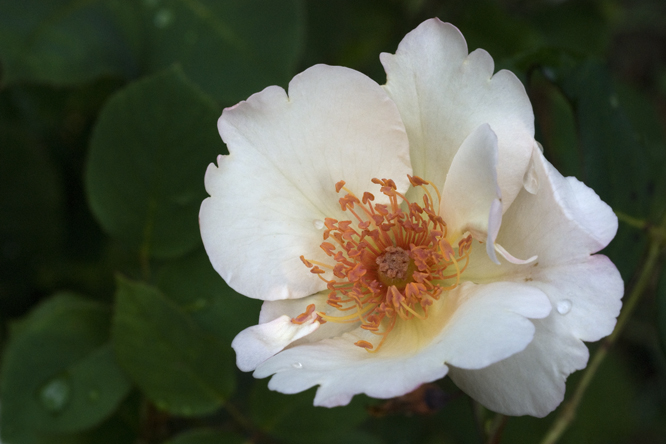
(108, 111)
(231, 49)
(284, 416)
(66, 42)
(183, 369)
(59, 373)
(192, 283)
(144, 167)
(206, 436)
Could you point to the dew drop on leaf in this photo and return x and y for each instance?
(55, 394)
(163, 18)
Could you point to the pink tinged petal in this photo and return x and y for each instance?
(475, 326)
(444, 94)
(586, 298)
(256, 344)
(471, 199)
(270, 196)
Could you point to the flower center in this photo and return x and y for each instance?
(395, 267)
(390, 262)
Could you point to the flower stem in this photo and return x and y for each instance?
(631, 221)
(568, 411)
(237, 416)
(496, 429)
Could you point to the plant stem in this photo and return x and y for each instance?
(238, 417)
(631, 221)
(568, 411)
(496, 429)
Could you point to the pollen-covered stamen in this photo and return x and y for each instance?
(395, 267)
(391, 261)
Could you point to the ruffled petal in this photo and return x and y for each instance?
(560, 221)
(257, 343)
(471, 197)
(444, 94)
(270, 196)
(271, 310)
(586, 300)
(472, 327)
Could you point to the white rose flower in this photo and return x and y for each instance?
(404, 232)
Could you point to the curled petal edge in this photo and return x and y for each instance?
(256, 344)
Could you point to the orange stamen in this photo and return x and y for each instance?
(416, 231)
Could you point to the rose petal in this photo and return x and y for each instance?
(257, 343)
(563, 222)
(473, 327)
(471, 190)
(271, 310)
(444, 94)
(270, 196)
(586, 300)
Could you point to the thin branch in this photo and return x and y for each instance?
(496, 429)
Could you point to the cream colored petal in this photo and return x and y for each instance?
(471, 197)
(586, 301)
(257, 343)
(472, 327)
(562, 222)
(271, 310)
(270, 195)
(444, 94)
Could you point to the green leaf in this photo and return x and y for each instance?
(58, 375)
(614, 162)
(207, 436)
(65, 42)
(183, 369)
(230, 48)
(193, 284)
(148, 155)
(293, 417)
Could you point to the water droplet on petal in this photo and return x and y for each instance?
(564, 306)
(318, 224)
(55, 394)
(297, 365)
(530, 180)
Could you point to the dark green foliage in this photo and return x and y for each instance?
(181, 368)
(144, 164)
(59, 373)
(114, 326)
